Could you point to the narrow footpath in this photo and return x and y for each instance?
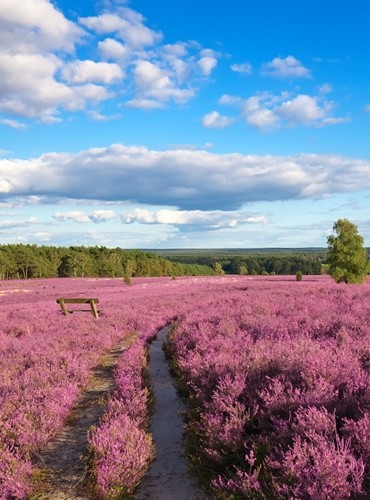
(62, 468)
(168, 477)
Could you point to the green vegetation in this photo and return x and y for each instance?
(254, 261)
(347, 256)
(32, 261)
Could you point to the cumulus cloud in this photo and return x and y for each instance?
(91, 71)
(112, 49)
(215, 120)
(267, 111)
(188, 180)
(289, 67)
(215, 219)
(38, 42)
(207, 64)
(35, 26)
(154, 83)
(127, 24)
(99, 216)
(304, 109)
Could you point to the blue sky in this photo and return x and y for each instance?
(187, 124)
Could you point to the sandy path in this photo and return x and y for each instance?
(168, 476)
(61, 466)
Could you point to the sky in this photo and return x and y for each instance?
(159, 124)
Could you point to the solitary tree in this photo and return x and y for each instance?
(347, 257)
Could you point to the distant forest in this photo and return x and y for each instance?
(254, 261)
(20, 261)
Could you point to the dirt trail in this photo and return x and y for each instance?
(61, 466)
(168, 477)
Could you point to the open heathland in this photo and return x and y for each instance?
(275, 373)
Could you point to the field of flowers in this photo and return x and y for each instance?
(276, 373)
(277, 376)
(46, 361)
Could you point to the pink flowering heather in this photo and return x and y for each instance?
(46, 359)
(277, 373)
(121, 447)
(278, 380)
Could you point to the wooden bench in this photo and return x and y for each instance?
(62, 301)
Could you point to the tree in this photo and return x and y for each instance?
(347, 257)
(218, 268)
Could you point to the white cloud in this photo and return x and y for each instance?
(38, 94)
(189, 180)
(367, 108)
(74, 216)
(35, 25)
(230, 99)
(90, 71)
(145, 104)
(11, 224)
(267, 112)
(112, 49)
(207, 64)
(13, 124)
(290, 67)
(244, 68)
(257, 114)
(215, 219)
(304, 109)
(128, 25)
(38, 42)
(155, 83)
(97, 216)
(215, 120)
(98, 117)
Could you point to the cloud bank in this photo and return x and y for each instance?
(186, 179)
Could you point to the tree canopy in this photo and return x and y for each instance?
(31, 261)
(347, 256)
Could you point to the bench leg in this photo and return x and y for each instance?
(94, 309)
(63, 307)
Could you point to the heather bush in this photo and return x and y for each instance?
(46, 359)
(277, 379)
(278, 390)
(121, 447)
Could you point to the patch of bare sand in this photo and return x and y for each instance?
(61, 469)
(168, 477)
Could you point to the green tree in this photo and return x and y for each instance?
(347, 258)
(218, 268)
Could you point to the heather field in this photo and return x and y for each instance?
(276, 374)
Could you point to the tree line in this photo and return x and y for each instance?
(346, 259)
(19, 261)
(257, 263)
